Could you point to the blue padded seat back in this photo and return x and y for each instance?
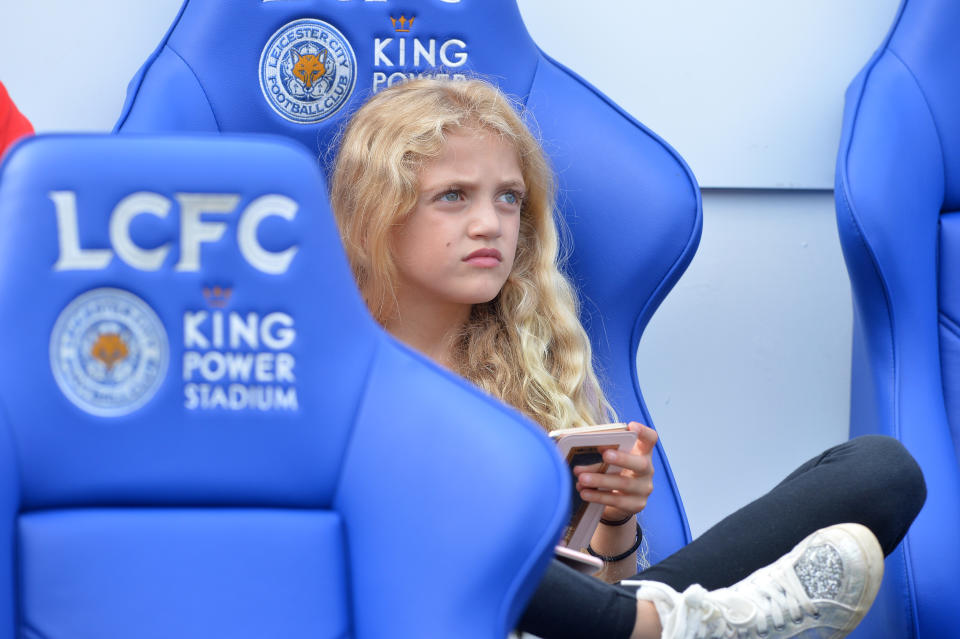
(204, 433)
(228, 326)
(126, 423)
(897, 188)
(631, 205)
(129, 431)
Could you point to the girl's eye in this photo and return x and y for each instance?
(450, 196)
(511, 197)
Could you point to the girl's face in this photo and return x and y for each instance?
(457, 246)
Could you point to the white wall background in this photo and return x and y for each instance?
(749, 91)
(746, 366)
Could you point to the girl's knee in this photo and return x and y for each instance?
(891, 464)
(898, 488)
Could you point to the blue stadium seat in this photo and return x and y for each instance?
(204, 434)
(898, 201)
(298, 68)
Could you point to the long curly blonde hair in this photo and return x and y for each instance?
(527, 345)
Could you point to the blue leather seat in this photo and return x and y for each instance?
(631, 205)
(898, 212)
(200, 437)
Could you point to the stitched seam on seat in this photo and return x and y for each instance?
(5, 416)
(26, 630)
(950, 324)
(533, 76)
(933, 120)
(887, 302)
(199, 84)
(910, 580)
(348, 445)
(885, 45)
(848, 204)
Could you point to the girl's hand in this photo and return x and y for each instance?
(624, 493)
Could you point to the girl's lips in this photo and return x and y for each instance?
(484, 258)
(485, 252)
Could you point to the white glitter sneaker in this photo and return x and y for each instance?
(821, 589)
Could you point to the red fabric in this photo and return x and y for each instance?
(13, 124)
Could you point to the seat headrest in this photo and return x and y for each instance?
(297, 68)
(177, 319)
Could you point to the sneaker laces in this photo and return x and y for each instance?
(777, 595)
(696, 615)
(735, 612)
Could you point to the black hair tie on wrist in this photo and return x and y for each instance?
(623, 555)
(618, 522)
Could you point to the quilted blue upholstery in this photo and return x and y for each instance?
(631, 205)
(203, 433)
(897, 193)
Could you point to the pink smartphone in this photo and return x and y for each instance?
(583, 447)
(577, 560)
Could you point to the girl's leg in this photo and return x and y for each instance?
(870, 480)
(568, 603)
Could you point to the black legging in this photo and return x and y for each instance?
(869, 480)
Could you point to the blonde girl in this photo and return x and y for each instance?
(445, 203)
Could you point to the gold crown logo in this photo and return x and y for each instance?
(401, 24)
(217, 296)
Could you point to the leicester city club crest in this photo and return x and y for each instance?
(109, 352)
(307, 71)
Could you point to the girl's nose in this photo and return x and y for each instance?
(484, 221)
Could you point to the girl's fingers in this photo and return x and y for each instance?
(626, 503)
(591, 468)
(639, 464)
(624, 484)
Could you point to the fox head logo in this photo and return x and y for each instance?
(109, 349)
(309, 67)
